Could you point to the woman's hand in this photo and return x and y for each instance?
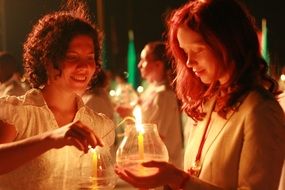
(124, 111)
(167, 174)
(75, 134)
(15, 154)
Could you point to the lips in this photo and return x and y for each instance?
(79, 78)
(198, 72)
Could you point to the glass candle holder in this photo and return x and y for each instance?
(97, 170)
(141, 146)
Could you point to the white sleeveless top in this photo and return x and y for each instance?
(57, 168)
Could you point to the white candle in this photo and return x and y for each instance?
(141, 147)
(95, 166)
(138, 115)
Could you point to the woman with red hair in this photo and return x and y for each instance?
(238, 139)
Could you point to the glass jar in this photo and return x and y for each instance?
(97, 170)
(141, 146)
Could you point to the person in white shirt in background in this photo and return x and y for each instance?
(158, 102)
(97, 97)
(125, 95)
(10, 77)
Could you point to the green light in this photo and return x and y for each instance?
(264, 45)
(132, 62)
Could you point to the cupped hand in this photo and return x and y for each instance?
(75, 134)
(167, 174)
(124, 111)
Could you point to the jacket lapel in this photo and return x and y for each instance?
(215, 130)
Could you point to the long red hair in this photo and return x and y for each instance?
(229, 30)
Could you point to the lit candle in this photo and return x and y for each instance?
(95, 165)
(138, 115)
(141, 148)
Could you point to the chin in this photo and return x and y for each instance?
(205, 81)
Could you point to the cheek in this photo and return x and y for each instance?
(148, 70)
(93, 68)
(66, 69)
(145, 67)
(213, 65)
(144, 64)
(209, 75)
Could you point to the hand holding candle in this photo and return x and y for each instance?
(141, 144)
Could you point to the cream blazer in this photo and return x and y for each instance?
(246, 151)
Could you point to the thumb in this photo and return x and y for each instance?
(151, 163)
(100, 142)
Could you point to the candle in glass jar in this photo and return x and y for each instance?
(138, 115)
(95, 166)
(141, 147)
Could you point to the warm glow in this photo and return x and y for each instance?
(138, 115)
(118, 91)
(282, 77)
(95, 163)
(112, 93)
(140, 89)
(141, 147)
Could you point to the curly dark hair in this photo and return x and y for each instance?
(49, 40)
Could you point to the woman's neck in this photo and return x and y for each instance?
(62, 104)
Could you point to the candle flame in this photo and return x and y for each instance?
(138, 115)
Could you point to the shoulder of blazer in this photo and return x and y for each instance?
(257, 98)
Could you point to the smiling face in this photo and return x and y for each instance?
(77, 66)
(200, 56)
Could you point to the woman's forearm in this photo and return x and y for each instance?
(15, 154)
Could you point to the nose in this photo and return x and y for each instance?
(82, 64)
(189, 62)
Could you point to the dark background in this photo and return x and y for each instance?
(144, 17)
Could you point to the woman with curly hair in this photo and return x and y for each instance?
(238, 140)
(61, 57)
